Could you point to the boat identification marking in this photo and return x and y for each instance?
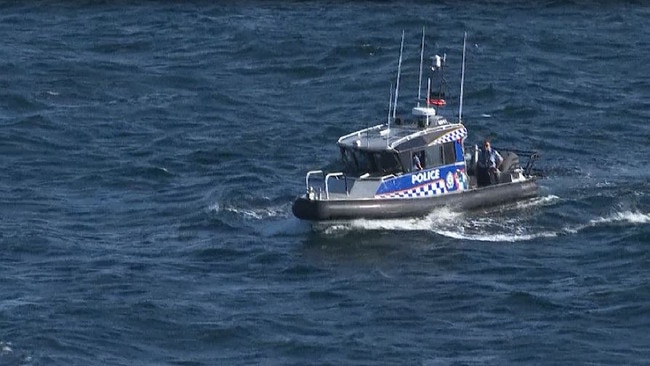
(450, 180)
(425, 176)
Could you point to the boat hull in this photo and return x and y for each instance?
(323, 210)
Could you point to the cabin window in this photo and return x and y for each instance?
(421, 157)
(449, 152)
(364, 164)
(348, 160)
(434, 155)
(386, 163)
(374, 163)
(438, 155)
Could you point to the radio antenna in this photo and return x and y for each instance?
(462, 82)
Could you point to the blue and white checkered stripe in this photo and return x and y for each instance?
(451, 136)
(430, 189)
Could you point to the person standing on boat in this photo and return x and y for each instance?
(488, 163)
(417, 165)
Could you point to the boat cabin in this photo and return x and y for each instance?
(391, 150)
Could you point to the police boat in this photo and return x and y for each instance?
(409, 168)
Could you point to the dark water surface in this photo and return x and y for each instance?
(151, 152)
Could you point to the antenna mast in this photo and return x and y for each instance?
(390, 103)
(399, 71)
(421, 61)
(462, 82)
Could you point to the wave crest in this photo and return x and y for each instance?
(631, 217)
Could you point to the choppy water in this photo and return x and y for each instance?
(150, 154)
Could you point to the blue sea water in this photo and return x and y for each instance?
(151, 152)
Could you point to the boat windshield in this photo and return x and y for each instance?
(359, 162)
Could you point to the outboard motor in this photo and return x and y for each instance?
(510, 162)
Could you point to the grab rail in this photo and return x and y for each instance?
(326, 177)
(311, 193)
(310, 173)
(310, 189)
(331, 175)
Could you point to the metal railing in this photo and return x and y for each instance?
(330, 175)
(326, 177)
(325, 187)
